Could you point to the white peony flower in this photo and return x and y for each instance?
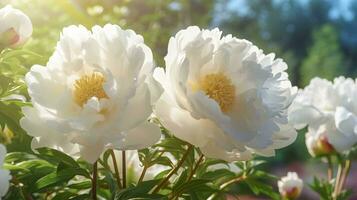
(225, 96)
(328, 107)
(96, 92)
(290, 186)
(4, 174)
(15, 27)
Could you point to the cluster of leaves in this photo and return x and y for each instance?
(325, 190)
(51, 174)
(13, 96)
(328, 189)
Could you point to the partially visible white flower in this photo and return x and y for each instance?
(96, 92)
(4, 174)
(15, 27)
(225, 96)
(328, 106)
(134, 165)
(290, 186)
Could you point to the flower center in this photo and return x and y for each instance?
(89, 86)
(220, 88)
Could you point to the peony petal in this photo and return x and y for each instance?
(139, 137)
(213, 151)
(346, 122)
(5, 178)
(182, 125)
(91, 152)
(139, 109)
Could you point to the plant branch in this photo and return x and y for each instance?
(124, 168)
(226, 184)
(200, 159)
(193, 171)
(117, 174)
(143, 174)
(94, 181)
(174, 170)
(329, 169)
(345, 173)
(337, 181)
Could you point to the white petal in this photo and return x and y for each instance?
(91, 152)
(139, 137)
(346, 122)
(213, 151)
(137, 110)
(43, 135)
(4, 181)
(182, 125)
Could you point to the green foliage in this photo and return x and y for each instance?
(324, 57)
(325, 190)
(52, 174)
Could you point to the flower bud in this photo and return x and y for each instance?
(318, 144)
(290, 186)
(15, 27)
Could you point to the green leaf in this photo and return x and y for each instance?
(258, 188)
(37, 164)
(18, 156)
(64, 195)
(192, 186)
(15, 168)
(140, 191)
(81, 185)
(15, 193)
(81, 197)
(57, 156)
(217, 174)
(323, 188)
(57, 178)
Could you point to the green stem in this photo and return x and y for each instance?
(124, 168)
(329, 169)
(17, 183)
(337, 181)
(345, 173)
(142, 174)
(174, 170)
(200, 159)
(226, 184)
(117, 174)
(193, 171)
(94, 181)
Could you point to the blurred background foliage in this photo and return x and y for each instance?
(315, 37)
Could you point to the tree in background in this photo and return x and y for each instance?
(156, 20)
(325, 58)
(288, 27)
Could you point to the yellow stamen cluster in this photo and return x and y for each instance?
(220, 88)
(89, 86)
